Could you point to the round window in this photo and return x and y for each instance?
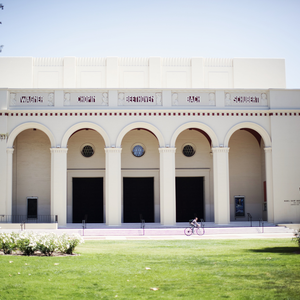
(188, 150)
(87, 151)
(138, 151)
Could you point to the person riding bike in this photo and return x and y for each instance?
(194, 223)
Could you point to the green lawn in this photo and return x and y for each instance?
(189, 269)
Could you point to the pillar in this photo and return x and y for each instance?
(113, 186)
(167, 186)
(221, 185)
(59, 184)
(9, 181)
(269, 183)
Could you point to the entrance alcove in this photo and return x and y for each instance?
(85, 177)
(140, 177)
(247, 175)
(31, 174)
(193, 163)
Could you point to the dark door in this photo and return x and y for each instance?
(189, 198)
(88, 200)
(138, 199)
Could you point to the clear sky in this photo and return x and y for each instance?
(166, 28)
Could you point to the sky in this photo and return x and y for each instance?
(165, 28)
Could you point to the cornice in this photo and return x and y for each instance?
(113, 150)
(220, 149)
(58, 150)
(167, 150)
(10, 150)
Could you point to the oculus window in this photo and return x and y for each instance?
(138, 150)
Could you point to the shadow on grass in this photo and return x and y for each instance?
(280, 250)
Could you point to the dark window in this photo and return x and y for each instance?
(32, 208)
(138, 151)
(188, 150)
(87, 151)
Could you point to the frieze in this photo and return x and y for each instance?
(144, 99)
(85, 99)
(31, 99)
(246, 99)
(193, 99)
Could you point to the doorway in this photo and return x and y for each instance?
(138, 199)
(189, 198)
(88, 199)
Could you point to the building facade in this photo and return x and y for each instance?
(115, 140)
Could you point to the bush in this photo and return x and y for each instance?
(297, 237)
(67, 243)
(27, 243)
(8, 242)
(46, 243)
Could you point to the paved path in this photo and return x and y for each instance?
(195, 237)
(155, 231)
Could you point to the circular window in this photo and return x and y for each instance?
(87, 151)
(138, 151)
(188, 150)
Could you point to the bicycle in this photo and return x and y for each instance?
(192, 229)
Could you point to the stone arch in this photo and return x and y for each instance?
(83, 125)
(264, 134)
(143, 125)
(30, 125)
(198, 125)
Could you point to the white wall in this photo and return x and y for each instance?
(153, 72)
(286, 168)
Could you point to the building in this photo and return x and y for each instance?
(115, 140)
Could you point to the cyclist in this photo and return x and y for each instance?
(194, 223)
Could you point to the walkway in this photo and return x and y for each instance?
(156, 231)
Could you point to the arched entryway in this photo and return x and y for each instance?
(193, 163)
(140, 176)
(247, 175)
(85, 177)
(31, 180)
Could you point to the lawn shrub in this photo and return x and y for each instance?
(27, 242)
(8, 242)
(67, 243)
(47, 243)
(297, 237)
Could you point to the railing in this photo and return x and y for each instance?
(249, 219)
(28, 219)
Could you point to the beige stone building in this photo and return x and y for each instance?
(113, 140)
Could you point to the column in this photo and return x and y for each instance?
(59, 184)
(167, 186)
(269, 183)
(221, 185)
(113, 185)
(9, 181)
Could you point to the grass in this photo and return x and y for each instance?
(195, 269)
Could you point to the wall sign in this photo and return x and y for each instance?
(292, 202)
(239, 204)
(85, 99)
(252, 99)
(139, 99)
(31, 99)
(193, 99)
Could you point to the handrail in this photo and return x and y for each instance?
(25, 219)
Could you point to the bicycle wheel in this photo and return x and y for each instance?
(200, 231)
(188, 231)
